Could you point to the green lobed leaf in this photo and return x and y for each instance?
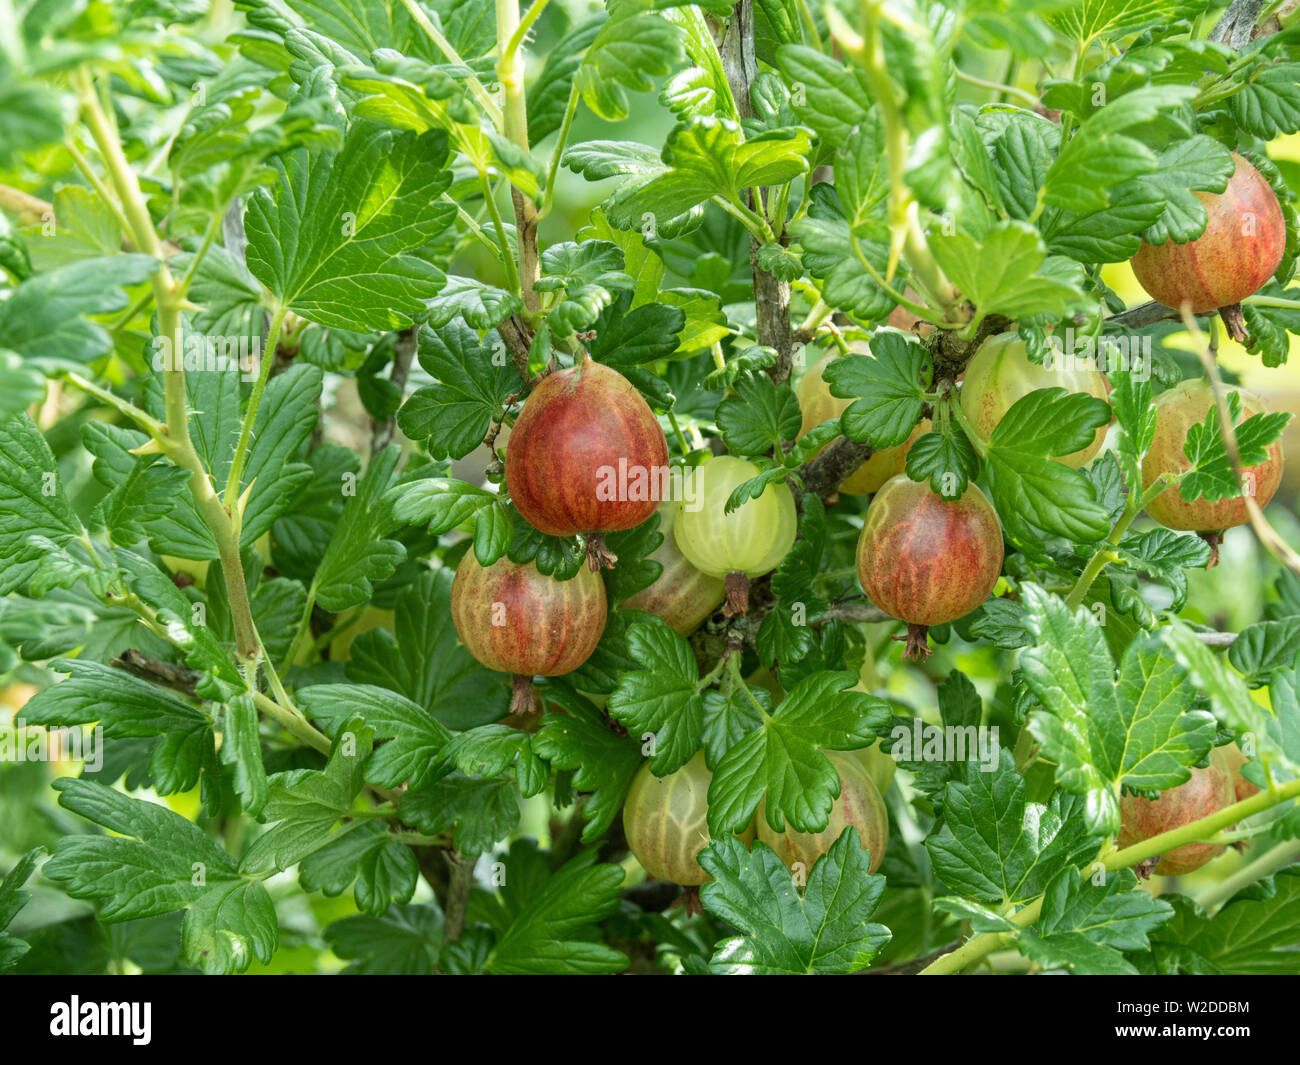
(781, 762)
(888, 388)
(544, 937)
(357, 555)
(825, 929)
(157, 863)
(996, 845)
(336, 239)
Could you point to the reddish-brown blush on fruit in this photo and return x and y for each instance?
(1207, 792)
(586, 457)
(859, 804)
(1234, 257)
(926, 560)
(515, 619)
(1177, 410)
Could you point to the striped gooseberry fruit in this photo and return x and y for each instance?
(818, 405)
(1177, 410)
(1233, 258)
(516, 619)
(748, 542)
(878, 763)
(859, 804)
(681, 594)
(587, 456)
(1001, 373)
(666, 821)
(927, 560)
(1208, 791)
(1231, 758)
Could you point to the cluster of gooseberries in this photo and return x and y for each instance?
(921, 558)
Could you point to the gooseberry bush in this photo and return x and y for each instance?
(654, 487)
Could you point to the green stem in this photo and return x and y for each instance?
(954, 408)
(719, 668)
(525, 24)
(781, 205)
(168, 297)
(510, 73)
(293, 722)
(177, 441)
(140, 304)
(149, 424)
(209, 235)
(922, 311)
(821, 310)
(751, 220)
(507, 256)
(677, 431)
(906, 239)
(733, 666)
(553, 167)
(1265, 865)
(804, 198)
(1222, 85)
(477, 230)
(414, 839)
(999, 87)
(250, 416)
(1273, 301)
(984, 944)
(335, 631)
(811, 25)
(719, 361)
(83, 164)
(134, 213)
(300, 633)
(1105, 554)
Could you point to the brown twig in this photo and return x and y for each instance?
(823, 474)
(1237, 26)
(518, 338)
(27, 209)
(911, 967)
(771, 294)
(458, 887)
(31, 210)
(949, 353)
(381, 433)
(864, 612)
(436, 869)
(146, 667)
